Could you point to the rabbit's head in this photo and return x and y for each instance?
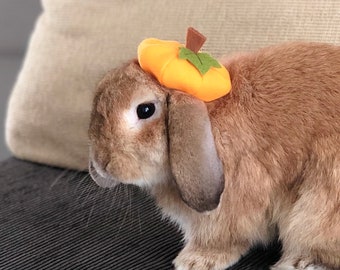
(144, 134)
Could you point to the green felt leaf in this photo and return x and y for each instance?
(202, 61)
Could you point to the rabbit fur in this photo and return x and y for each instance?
(260, 161)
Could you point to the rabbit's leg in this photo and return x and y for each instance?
(216, 245)
(195, 258)
(302, 265)
(311, 231)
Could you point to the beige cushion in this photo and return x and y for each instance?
(75, 42)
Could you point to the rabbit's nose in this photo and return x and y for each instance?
(101, 177)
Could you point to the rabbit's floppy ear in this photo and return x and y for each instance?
(194, 162)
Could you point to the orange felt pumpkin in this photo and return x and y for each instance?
(161, 59)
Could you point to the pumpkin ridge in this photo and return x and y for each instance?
(165, 65)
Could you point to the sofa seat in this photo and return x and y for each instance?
(53, 218)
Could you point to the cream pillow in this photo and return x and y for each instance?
(75, 42)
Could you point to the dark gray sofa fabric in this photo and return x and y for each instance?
(52, 218)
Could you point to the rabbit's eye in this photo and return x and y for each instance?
(145, 110)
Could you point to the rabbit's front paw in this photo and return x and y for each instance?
(291, 267)
(299, 265)
(201, 260)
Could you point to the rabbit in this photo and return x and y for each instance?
(262, 161)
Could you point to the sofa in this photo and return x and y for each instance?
(53, 218)
(52, 215)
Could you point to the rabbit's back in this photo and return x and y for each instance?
(284, 105)
(283, 99)
(294, 83)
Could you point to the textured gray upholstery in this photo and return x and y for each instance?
(59, 219)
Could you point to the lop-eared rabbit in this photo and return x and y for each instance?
(260, 161)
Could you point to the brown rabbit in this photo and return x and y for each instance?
(235, 171)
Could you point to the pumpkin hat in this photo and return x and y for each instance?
(184, 68)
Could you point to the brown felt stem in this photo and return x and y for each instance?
(195, 40)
